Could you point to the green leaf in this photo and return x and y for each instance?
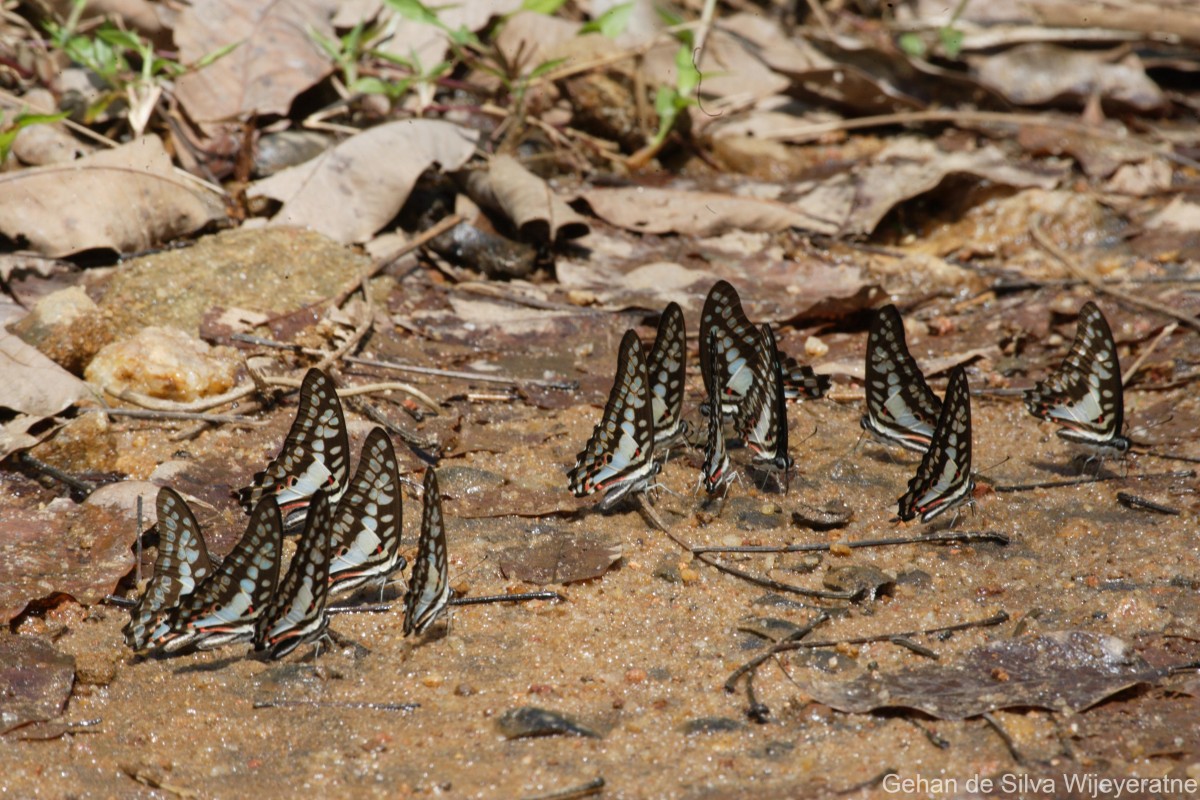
(119, 38)
(611, 23)
(913, 44)
(544, 67)
(952, 41)
(416, 11)
(546, 7)
(220, 52)
(687, 76)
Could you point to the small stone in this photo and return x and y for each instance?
(689, 575)
(635, 675)
(67, 327)
(433, 681)
(814, 347)
(95, 669)
(667, 569)
(581, 297)
(165, 363)
(464, 690)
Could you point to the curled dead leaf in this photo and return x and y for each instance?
(352, 190)
(126, 199)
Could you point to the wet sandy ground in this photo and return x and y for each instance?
(640, 654)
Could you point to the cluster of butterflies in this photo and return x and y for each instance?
(350, 539)
(748, 381)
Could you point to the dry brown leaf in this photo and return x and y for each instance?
(1179, 215)
(1061, 671)
(1151, 17)
(82, 551)
(532, 38)
(410, 39)
(32, 384)
(780, 52)
(538, 213)
(649, 210)
(277, 56)
(728, 67)
(354, 189)
(126, 199)
(1040, 73)
(36, 678)
(560, 559)
(909, 167)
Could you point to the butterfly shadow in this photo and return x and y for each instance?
(209, 666)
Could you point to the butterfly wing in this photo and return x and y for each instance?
(800, 382)
(224, 608)
(295, 613)
(715, 472)
(943, 479)
(763, 423)
(735, 341)
(367, 525)
(901, 408)
(1085, 394)
(429, 590)
(619, 457)
(315, 454)
(666, 370)
(181, 565)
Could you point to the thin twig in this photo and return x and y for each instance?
(366, 388)
(523, 597)
(988, 622)
(405, 707)
(146, 413)
(420, 240)
(700, 36)
(817, 129)
(566, 386)
(756, 662)
(929, 538)
(991, 720)
(1141, 359)
(759, 580)
(594, 786)
(1133, 501)
(81, 486)
(769, 583)
(1025, 487)
(1072, 266)
(156, 404)
(355, 338)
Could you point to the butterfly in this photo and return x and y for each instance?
(943, 479)
(224, 608)
(800, 382)
(181, 565)
(367, 524)
(715, 473)
(667, 364)
(901, 408)
(429, 591)
(763, 424)
(619, 457)
(296, 611)
(315, 455)
(728, 342)
(1085, 394)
